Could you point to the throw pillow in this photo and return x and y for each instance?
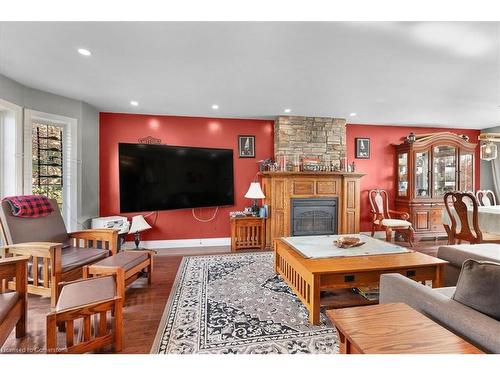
(478, 287)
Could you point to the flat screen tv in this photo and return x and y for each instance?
(158, 177)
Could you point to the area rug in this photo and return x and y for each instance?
(236, 304)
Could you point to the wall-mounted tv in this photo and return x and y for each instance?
(158, 177)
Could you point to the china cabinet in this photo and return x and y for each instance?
(427, 167)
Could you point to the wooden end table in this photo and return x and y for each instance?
(248, 233)
(394, 328)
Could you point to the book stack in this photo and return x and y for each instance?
(370, 293)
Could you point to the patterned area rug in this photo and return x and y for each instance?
(236, 304)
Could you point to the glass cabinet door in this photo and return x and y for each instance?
(422, 174)
(445, 167)
(403, 175)
(466, 172)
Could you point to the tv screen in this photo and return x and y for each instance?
(157, 177)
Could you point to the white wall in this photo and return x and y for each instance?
(87, 136)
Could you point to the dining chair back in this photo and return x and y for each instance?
(486, 198)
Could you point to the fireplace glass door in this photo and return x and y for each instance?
(314, 216)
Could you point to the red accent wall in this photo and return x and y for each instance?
(215, 132)
(380, 167)
(181, 131)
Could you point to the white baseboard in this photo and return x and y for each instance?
(192, 242)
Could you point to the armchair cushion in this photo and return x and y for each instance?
(49, 228)
(7, 302)
(125, 259)
(86, 291)
(71, 258)
(393, 223)
(74, 257)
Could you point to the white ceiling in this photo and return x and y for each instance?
(444, 74)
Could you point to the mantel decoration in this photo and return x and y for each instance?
(150, 140)
(246, 146)
(265, 165)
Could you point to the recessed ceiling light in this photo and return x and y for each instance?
(134, 103)
(353, 114)
(84, 52)
(287, 110)
(215, 106)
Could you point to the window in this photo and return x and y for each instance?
(47, 156)
(51, 163)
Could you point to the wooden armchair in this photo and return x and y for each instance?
(486, 198)
(96, 299)
(382, 220)
(55, 255)
(13, 303)
(459, 207)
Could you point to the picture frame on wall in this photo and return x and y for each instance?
(246, 146)
(362, 149)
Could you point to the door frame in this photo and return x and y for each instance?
(16, 112)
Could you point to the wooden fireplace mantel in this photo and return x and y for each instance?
(280, 187)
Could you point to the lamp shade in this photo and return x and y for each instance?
(139, 224)
(254, 191)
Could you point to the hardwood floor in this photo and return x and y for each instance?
(144, 305)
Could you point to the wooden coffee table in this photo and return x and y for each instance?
(394, 328)
(307, 277)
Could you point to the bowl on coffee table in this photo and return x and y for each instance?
(346, 242)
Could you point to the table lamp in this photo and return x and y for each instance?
(255, 192)
(139, 224)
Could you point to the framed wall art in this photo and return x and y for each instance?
(246, 146)
(362, 148)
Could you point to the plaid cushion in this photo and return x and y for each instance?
(29, 205)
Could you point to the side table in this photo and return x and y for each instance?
(248, 233)
(394, 328)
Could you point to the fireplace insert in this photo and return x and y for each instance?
(313, 216)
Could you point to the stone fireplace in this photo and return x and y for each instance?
(322, 137)
(305, 203)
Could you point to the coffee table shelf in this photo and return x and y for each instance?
(344, 297)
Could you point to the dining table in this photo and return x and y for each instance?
(488, 218)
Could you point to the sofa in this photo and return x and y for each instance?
(473, 326)
(456, 255)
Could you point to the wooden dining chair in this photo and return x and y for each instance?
(382, 220)
(458, 205)
(486, 198)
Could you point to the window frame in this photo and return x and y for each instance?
(70, 161)
(15, 114)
